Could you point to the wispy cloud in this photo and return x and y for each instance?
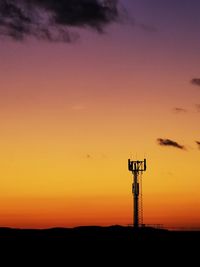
(196, 81)
(168, 142)
(78, 107)
(147, 28)
(198, 107)
(51, 19)
(179, 110)
(143, 26)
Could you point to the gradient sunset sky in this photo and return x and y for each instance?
(71, 114)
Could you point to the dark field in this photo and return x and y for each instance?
(101, 245)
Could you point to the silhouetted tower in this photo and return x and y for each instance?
(136, 167)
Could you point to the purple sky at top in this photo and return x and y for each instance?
(164, 34)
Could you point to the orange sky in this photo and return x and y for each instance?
(72, 114)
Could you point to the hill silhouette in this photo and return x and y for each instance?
(98, 234)
(113, 244)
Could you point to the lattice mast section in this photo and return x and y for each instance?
(137, 168)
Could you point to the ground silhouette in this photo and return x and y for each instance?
(112, 244)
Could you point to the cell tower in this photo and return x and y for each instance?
(137, 168)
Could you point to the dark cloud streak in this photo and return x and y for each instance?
(51, 20)
(198, 143)
(196, 81)
(168, 142)
(179, 110)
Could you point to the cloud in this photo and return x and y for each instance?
(168, 142)
(180, 110)
(198, 143)
(51, 19)
(196, 81)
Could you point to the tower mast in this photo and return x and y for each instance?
(136, 167)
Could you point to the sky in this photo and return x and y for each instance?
(79, 100)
